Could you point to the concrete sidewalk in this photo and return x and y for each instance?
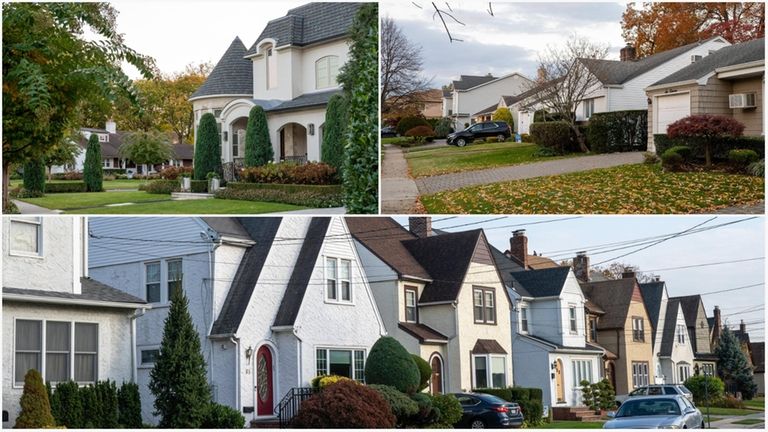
(728, 423)
(27, 208)
(399, 193)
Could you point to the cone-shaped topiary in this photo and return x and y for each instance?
(93, 174)
(390, 364)
(34, 177)
(258, 146)
(207, 148)
(425, 371)
(35, 407)
(129, 404)
(335, 132)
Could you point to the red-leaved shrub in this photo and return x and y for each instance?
(173, 173)
(706, 130)
(420, 133)
(346, 404)
(313, 173)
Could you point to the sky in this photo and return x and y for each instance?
(503, 43)
(561, 239)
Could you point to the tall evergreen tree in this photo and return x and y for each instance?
(207, 148)
(335, 132)
(182, 394)
(258, 146)
(35, 407)
(93, 173)
(34, 177)
(733, 365)
(360, 79)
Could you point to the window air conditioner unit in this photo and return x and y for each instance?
(695, 58)
(741, 100)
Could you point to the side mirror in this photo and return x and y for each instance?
(611, 414)
(690, 410)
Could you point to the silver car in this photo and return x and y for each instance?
(656, 412)
(656, 390)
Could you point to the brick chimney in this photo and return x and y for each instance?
(716, 327)
(743, 327)
(628, 53)
(629, 273)
(581, 266)
(111, 126)
(518, 247)
(420, 226)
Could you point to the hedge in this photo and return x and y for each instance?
(555, 135)
(313, 173)
(290, 188)
(301, 195)
(65, 187)
(346, 404)
(618, 131)
(407, 123)
(162, 186)
(198, 186)
(719, 150)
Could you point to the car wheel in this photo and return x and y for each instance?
(703, 426)
(501, 138)
(477, 424)
(461, 142)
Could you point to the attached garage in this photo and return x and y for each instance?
(670, 108)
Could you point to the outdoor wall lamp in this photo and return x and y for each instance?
(311, 128)
(248, 353)
(553, 366)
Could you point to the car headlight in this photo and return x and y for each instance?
(671, 426)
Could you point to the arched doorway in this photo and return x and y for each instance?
(293, 143)
(236, 139)
(264, 382)
(436, 380)
(559, 381)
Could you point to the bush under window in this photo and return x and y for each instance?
(313, 173)
(345, 404)
(740, 158)
(555, 135)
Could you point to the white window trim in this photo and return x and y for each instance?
(415, 306)
(488, 372)
(338, 300)
(527, 320)
(39, 223)
(164, 299)
(140, 348)
(575, 320)
(592, 378)
(484, 291)
(328, 349)
(332, 79)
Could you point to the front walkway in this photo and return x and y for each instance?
(399, 193)
(27, 208)
(729, 422)
(443, 182)
(756, 208)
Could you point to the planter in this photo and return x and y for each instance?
(186, 183)
(213, 185)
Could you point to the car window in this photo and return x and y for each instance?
(687, 403)
(467, 400)
(648, 407)
(493, 399)
(670, 391)
(655, 391)
(639, 392)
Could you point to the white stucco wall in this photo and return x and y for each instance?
(681, 353)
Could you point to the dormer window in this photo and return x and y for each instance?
(410, 304)
(271, 67)
(572, 318)
(524, 319)
(326, 71)
(103, 137)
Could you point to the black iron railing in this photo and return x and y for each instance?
(290, 404)
(297, 159)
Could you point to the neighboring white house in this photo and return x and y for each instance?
(56, 319)
(441, 297)
(276, 301)
(290, 71)
(471, 94)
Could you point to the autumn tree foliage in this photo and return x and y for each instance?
(660, 26)
(705, 130)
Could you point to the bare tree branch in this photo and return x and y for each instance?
(401, 67)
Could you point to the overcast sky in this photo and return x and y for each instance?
(739, 241)
(506, 42)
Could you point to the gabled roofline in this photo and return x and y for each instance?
(286, 46)
(493, 81)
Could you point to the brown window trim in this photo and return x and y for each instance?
(641, 330)
(484, 321)
(415, 290)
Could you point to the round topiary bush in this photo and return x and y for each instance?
(425, 371)
(401, 405)
(704, 387)
(219, 416)
(671, 160)
(741, 158)
(450, 410)
(390, 364)
(345, 404)
(407, 123)
(684, 151)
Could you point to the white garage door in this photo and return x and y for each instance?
(671, 108)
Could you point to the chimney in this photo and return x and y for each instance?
(657, 278)
(111, 126)
(581, 266)
(629, 273)
(716, 326)
(518, 247)
(420, 226)
(628, 53)
(743, 327)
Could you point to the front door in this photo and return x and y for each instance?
(264, 403)
(436, 381)
(559, 382)
(282, 144)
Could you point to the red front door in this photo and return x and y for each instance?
(264, 401)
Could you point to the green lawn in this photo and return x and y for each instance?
(78, 200)
(715, 411)
(569, 424)
(748, 421)
(625, 189)
(450, 159)
(756, 403)
(108, 184)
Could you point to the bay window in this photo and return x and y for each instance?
(490, 371)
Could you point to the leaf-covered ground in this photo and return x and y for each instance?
(624, 189)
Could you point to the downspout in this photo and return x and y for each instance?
(215, 243)
(300, 378)
(235, 341)
(134, 364)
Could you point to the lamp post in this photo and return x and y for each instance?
(706, 396)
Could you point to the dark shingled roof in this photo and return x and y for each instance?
(614, 296)
(758, 356)
(690, 305)
(227, 226)
(668, 333)
(489, 110)
(653, 292)
(307, 100)
(446, 257)
(592, 307)
(263, 229)
(587, 346)
(91, 290)
(302, 271)
(233, 74)
(310, 23)
(507, 266)
(111, 148)
(728, 56)
(543, 282)
(466, 82)
(422, 332)
(384, 237)
(488, 346)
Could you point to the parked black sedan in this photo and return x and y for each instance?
(388, 132)
(487, 411)
(492, 129)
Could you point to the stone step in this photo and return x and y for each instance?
(179, 196)
(265, 423)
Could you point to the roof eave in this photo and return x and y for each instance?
(192, 99)
(741, 70)
(670, 85)
(73, 302)
(238, 241)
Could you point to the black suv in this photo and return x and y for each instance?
(492, 129)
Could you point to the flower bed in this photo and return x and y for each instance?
(318, 196)
(313, 173)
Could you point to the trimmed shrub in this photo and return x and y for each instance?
(91, 409)
(67, 405)
(720, 148)
(533, 412)
(34, 177)
(420, 133)
(302, 195)
(672, 160)
(450, 410)
(425, 371)
(503, 114)
(174, 173)
(390, 364)
(70, 175)
(705, 387)
(606, 394)
(322, 381)
(401, 405)
(618, 131)
(427, 413)
(335, 131)
(443, 127)
(684, 151)
(106, 394)
(93, 174)
(407, 123)
(129, 405)
(545, 152)
(757, 169)
(35, 407)
(526, 138)
(542, 116)
(741, 158)
(555, 135)
(345, 404)
(207, 147)
(65, 187)
(650, 158)
(198, 186)
(219, 416)
(313, 173)
(705, 130)
(258, 147)
(162, 186)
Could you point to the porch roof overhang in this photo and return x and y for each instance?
(744, 70)
(671, 85)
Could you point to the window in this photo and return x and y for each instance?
(498, 372)
(639, 374)
(582, 370)
(337, 280)
(524, 319)
(342, 362)
(326, 71)
(684, 372)
(638, 333)
(481, 372)
(26, 236)
(106, 163)
(152, 271)
(593, 329)
(57, 351)
(86, 352)
(572, 318)
(490, 370)
(708, 369)
(28, 348)
(589, 108)
(410, 305)
(103, 137)
(681, 333)
(235, 144)
(149, 356)
(271, 65)
(174, 277)
(485, 305)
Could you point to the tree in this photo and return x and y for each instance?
(335, 132)
(705, 130)
(661, 26)
(146, 148)
(615, 270)
(425, 371)
(401, 66)
(360, 79)
(258, 146)
(207, 148)
(182, 394)
(93, 172)
(390, 364)
(568, 80)
(55, 56)
(733, 366)
(35, 407)
(34, 177)
(503, 114)
(63, 153)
